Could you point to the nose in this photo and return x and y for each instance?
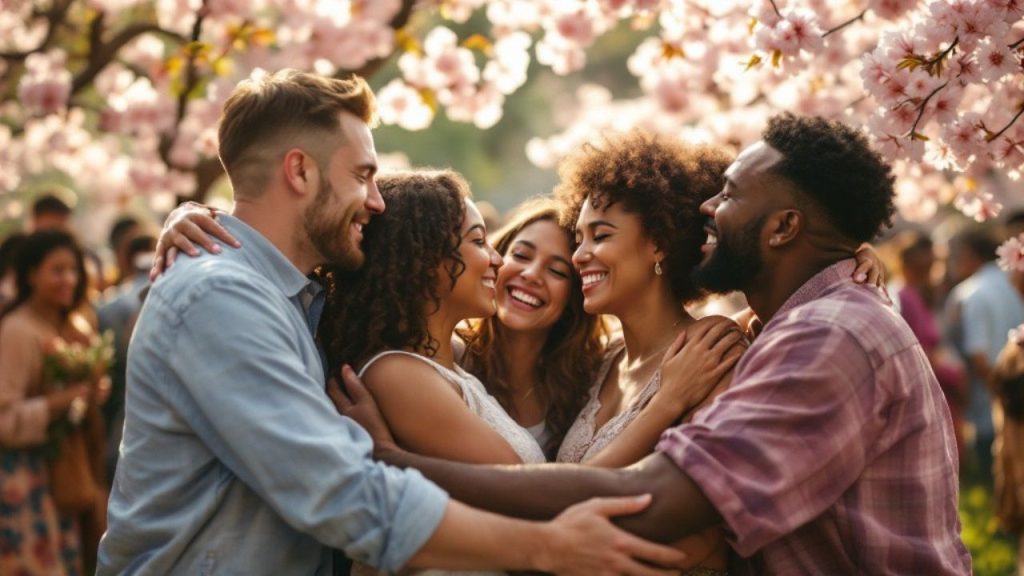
(581, 255)
(496, 260)
(374, 201)
(532, 271)
(710, 205)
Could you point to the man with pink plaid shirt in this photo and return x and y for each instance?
(832, 452)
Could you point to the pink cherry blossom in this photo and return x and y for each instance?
(403, 105)
(1011, 254)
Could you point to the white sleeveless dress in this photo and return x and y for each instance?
(484, 406)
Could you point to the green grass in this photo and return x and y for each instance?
(993, 552)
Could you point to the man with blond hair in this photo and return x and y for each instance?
(233, 460)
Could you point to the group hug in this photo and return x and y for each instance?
(349, 373)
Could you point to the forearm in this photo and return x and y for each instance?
(534, 492)
(23, 423)
(470, 539)
(542, 491)
(679, 507)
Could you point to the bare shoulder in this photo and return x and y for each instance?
(22, 325)
(403, 374)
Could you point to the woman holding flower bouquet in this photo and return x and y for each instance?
(52, 381)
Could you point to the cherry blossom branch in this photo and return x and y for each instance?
(1020, 110)
(189, 83)
(921, 108)
(101, 55)
(397, 23)
(55, 17)
(845, 24)
(938, 59)
(1016, 44)
(776, 8)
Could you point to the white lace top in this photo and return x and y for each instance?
(583, 440)
(484, 406)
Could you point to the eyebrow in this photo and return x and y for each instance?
(533, 246)
(475, 227)
(596, 223)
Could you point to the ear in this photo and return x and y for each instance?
(785, 226)
(301, 172)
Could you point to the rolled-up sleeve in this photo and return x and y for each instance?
(787, 440)
(259, 410)
(23, 421)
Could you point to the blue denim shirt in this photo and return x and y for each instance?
(233, 459)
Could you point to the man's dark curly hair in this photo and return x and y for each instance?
(833, 166)
(383, 305)
(661, 180)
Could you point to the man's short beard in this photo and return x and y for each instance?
(331, 238)
(731, 267)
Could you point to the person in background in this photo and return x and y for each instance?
(36, 537)
(122, 232)
(980, 310)
(915, 300)
(117, 312)
(49, 212)
(1007, 381)
(8, 250)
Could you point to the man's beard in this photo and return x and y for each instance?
(732, 267)
(330, 236)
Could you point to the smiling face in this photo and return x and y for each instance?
(346, 198)
(736, 217)
(614, 257)
(535, 282)
(474, 291)
(54, 282)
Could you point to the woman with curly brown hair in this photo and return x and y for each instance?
(428, 268)
(634, 202)
(538, 355)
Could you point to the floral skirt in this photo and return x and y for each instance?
(35, 540)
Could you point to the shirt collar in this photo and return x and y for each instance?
(813, 288)
(265, 257)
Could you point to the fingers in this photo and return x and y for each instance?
(182, 243)
(213, 228)
(354, 387)
(725, 343)
(618, 506)
(195, 229)
(675, 347)
(640, 549)
(861, 273)
(337, 396)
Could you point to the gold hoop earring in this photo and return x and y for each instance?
(657, 269)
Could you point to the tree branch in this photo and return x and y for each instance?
(1020, 110)
(845, 24)
(371, 67)
(55, 16)
(776, 8)
(921, 108)
(102, 55)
